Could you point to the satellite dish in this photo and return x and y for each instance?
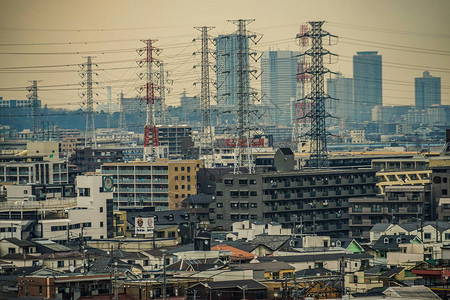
(72, 268)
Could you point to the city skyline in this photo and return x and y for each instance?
(45, 34)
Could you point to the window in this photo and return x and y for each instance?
(444, 192)
(25, 192)
(101, 224)
(243, 193)
(60, 264)
(182, 168)
(447, 236)
(176, 178)
(427, 236)
(252, 181)
(219, 205)
(234, 204)
(146, 263)
(228, 181)
(219, 193)
(244, 205)
(357, 208)
(234, 194)
(176, 187)
(253, 205)
(176, 169)
(182, 187)
(189, 187)
(182, 177)
(375, 208)
(243, 181)
(189, 169)
(219, 217)
(254, 217)
(101, 209)
(176, 196)
(11, 250)
(234, 217)
(183, 195)
(84, 192)
(253, 193)
(188, 178)
(40, 290)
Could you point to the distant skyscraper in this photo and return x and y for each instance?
(428, 90)
(226, 48)
(278, 84)
(190, 107)
(341, 88)
(367, 84)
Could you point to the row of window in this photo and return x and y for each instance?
(188, 178)
(188, 169)
(183, 187)
(73, 226)
(239, 217)
(237, 205)
(241, 181)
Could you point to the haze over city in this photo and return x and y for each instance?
(411, 36)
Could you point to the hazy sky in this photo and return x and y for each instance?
(411, 35)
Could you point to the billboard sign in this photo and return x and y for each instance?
(144, 225)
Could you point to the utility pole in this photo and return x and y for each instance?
(164, 277)
(206, 139)
(90, 126)
(243, 151)
(150, 132)
(116, 288)
(318, 135)
(342, 267)
(35, 108)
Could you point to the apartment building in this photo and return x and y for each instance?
(162, 185)
(310, 202)
(399, 204)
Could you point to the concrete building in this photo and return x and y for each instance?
(316, 200)
(278, 84)
(89, 216)
(37, 170)
(190, 109)
(173, 136)
(341, 88)
(427, 90)
(367, 84)
(162, 185)
(400, 204)
(227, 70)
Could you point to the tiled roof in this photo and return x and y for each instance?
(20, 243)
(271, 266)
(236, 254)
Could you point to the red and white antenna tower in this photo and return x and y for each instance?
(301, 106)
(150, 132)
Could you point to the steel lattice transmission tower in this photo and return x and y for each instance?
(150, 132)
(163, 114)
(122, 118)
(206, 139)
(243, 152)
(35, 113)
(317, 114)
(90, 126)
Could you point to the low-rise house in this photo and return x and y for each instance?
(237, 255)
(332, 261)
(273, 270)
(350, 245)
(63, 261)
(396, 250)
(23, 260)
(229, 290)
(14, 245)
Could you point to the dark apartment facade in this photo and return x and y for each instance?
(311, 202)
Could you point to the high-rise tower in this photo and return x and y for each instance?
(278, 84)
(427, 90)
(367, 84)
